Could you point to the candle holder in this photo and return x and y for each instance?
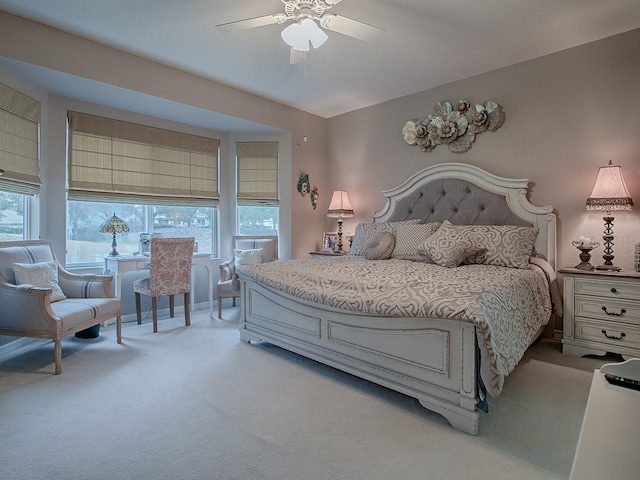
(585, 256)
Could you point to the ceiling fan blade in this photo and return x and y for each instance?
(350, 27)
(296, 56)
(274, 18)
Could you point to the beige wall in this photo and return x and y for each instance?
(566, 115)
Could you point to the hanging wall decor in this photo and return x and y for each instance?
(304, 187)
(455, 127)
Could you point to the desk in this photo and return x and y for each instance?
(118, 266)
(610, 434)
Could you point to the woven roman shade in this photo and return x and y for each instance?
(115, 161)
(257, 170)
(19, 142)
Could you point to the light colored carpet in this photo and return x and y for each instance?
(196, 403)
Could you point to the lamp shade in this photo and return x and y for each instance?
(299, 34)
(114, 225)
(609, 191)
(340, 206)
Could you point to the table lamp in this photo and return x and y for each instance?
(114, 225)
(340, 208)
(609, 193)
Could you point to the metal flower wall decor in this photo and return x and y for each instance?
(455, 127)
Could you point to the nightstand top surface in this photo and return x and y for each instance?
(602, 273)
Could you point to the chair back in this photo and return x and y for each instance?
(171, 260)
(26, 251)
(268, 244)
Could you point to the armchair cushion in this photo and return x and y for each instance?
(42, 274)
(248, 257)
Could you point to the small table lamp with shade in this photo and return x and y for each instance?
(114, 225)
(340, 207)
(609, 193)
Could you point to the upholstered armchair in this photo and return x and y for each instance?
(170, 275)
(39, 298)
(246, 249)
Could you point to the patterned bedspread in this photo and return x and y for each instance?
(507, 305)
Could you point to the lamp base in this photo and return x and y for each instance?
(114, 252)
(611, 268)
(338, 247)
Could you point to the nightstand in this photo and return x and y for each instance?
(601, 312)
(325, 254)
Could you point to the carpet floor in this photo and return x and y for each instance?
(197, 403)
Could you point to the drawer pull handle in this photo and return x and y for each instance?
(614, 314)
(613, 337)
(613, 290)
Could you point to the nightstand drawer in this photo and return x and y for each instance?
(608, 309)
(611, 288)
(611, 334)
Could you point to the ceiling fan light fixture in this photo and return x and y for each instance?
(299, 34)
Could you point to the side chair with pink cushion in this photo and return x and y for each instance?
(170, 275)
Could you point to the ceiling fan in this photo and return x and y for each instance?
(305, 30)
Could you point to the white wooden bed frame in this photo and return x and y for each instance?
(431, 359)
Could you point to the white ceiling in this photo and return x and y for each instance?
(427, 42)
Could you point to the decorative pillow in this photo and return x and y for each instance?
(380, 247)
(366, 231)
(506, 245)
(410, 236)
(448, 247)
(43, 274)
(248, 257)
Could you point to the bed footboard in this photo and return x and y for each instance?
(432, 360)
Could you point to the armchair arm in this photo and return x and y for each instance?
(227, 270)
(26, 307)
(87, 285)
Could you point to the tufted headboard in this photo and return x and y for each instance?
(468, 195)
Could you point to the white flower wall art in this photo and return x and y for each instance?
(455, 127)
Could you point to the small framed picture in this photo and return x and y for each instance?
(329, 241)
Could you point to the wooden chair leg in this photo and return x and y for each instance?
(234, 301)
(219, 304)
(57, 355)
(171, 306)
(155, 314)
(138, 308)
(119, 328)
(187, 317)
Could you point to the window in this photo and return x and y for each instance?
(19, 159)
(12, 216)
(257, 188)
(158, 181)
(257, 220)
(85, 243)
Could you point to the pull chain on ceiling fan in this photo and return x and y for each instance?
(310, 21)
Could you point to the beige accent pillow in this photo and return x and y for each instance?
(380, 247)
(448, 247)
(248, 257)
(43, 274)
(365, 232)
(410, 236)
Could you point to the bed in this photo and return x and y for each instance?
(444, 333)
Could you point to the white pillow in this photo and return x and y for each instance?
(248, 257)
(44, 274)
